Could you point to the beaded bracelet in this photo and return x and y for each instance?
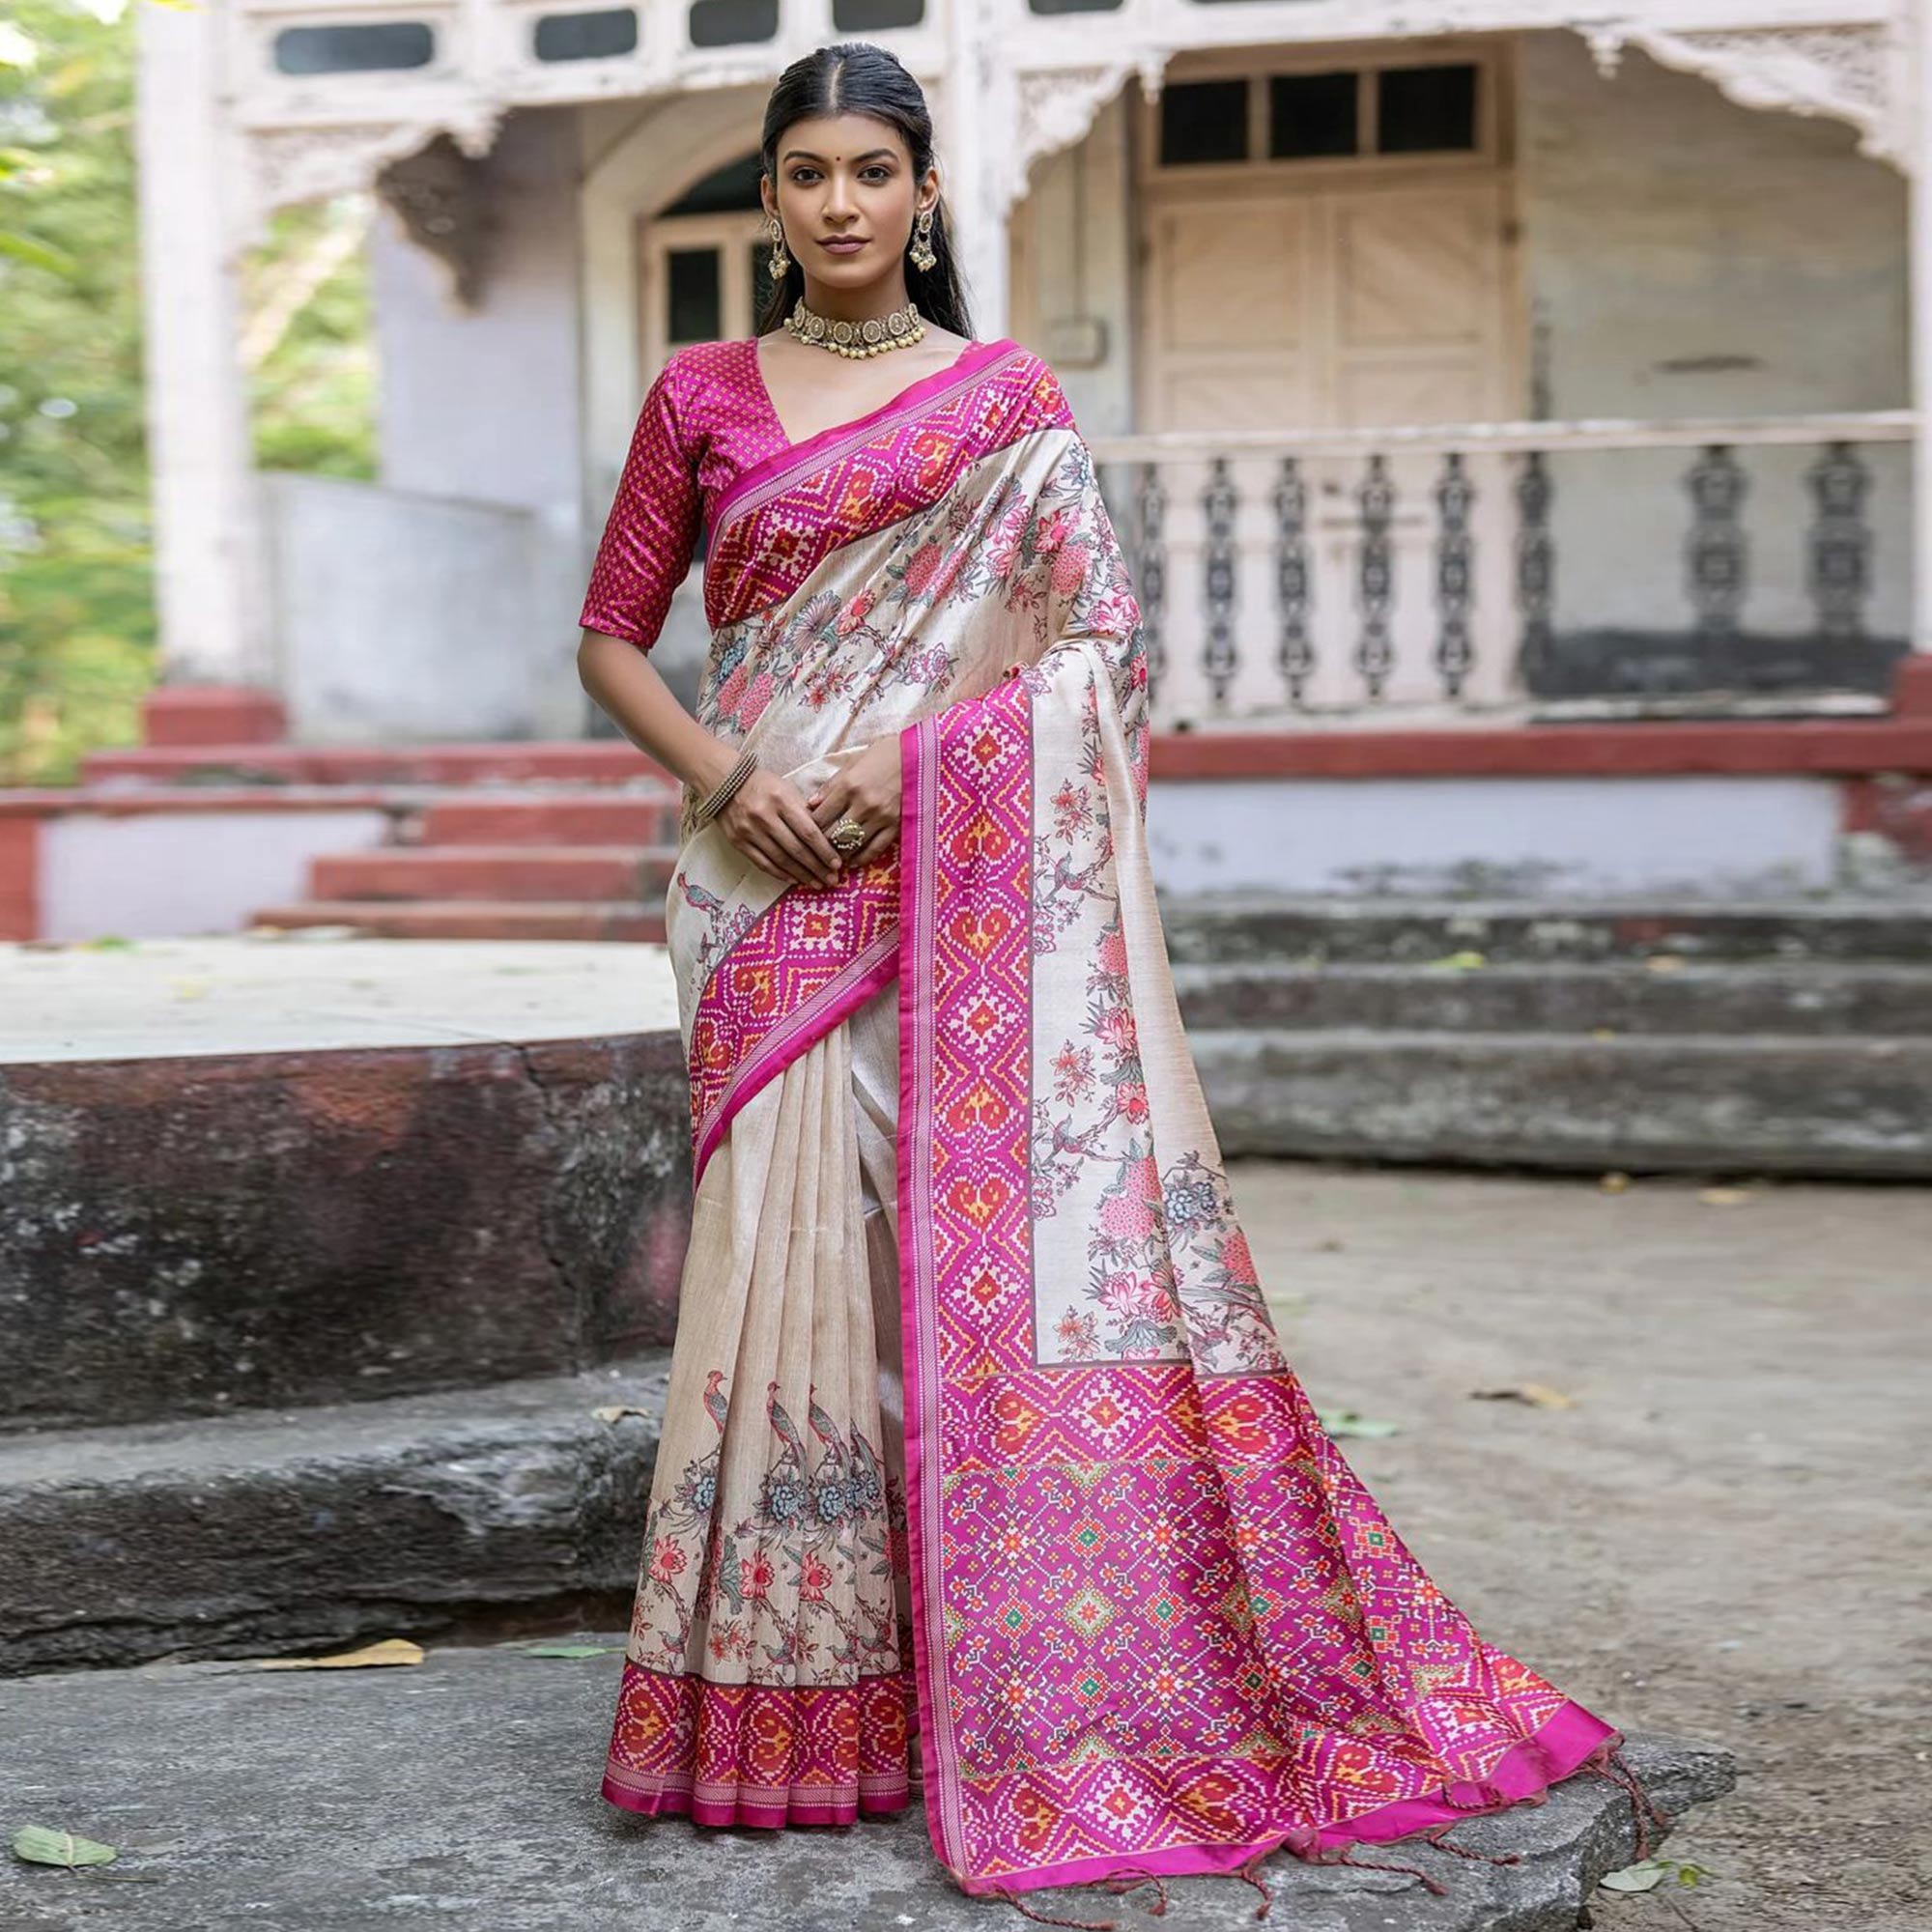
(726, 788)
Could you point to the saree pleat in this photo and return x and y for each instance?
(764, 1683)
(976, 1409)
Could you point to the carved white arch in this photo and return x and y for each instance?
(1057, 107)
(288, 166)
(1856, 71)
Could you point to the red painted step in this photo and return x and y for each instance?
(599, 761)
(477, 919)
(532, 818)
(496, 873)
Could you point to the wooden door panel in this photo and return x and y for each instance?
(1415, 268)
(1228, 314)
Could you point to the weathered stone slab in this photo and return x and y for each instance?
(224, 1536)
(184, 1236)
(1809, 999)
(462, 1791)
(1755, 1104)
(1217, 928)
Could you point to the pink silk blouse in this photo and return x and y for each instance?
(706, 421)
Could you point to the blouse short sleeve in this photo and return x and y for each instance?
(651, 532)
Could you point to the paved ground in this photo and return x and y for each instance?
(460, 1793)
(311, 991)
(1726, 1536)
(1722, 1539)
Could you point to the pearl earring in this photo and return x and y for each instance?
(921, 255)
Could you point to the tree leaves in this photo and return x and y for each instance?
(77, 622)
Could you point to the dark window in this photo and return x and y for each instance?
(568, 37)
(1072, 6)
(695, 308)
(875, 16)
(1426, 109)
(1311, 114)
(1203, 120)
(726, 190)
(731, 23)
(366, 48)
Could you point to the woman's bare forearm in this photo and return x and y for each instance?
(766, 818)
(626, 686)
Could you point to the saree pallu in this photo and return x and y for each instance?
(978, 1419)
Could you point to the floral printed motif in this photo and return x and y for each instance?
(779, 1591)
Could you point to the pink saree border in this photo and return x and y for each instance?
(771, 475)
(711, 1804)
(793, 1724)
(1563, 1743)
(845, 993)
(917, 791)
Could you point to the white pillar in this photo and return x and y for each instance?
(974, 151)
(208, 527)
(1920, 191)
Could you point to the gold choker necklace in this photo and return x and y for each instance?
(873, 336)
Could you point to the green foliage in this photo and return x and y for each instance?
(77, 628)
(76, 623)
(314, 400)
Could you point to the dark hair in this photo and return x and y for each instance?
(857, 78)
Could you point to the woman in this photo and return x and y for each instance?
(977, 1416)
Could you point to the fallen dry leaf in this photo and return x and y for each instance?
(392, 1650)
(1539, 1395)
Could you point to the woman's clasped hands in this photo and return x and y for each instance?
(783, 830)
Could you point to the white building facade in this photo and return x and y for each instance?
(1478, 361)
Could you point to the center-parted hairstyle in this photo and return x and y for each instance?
(857, 78)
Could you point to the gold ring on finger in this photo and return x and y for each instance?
(847, 835)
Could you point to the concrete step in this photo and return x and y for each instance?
(477, 919)
(1218, 930)
(344, 1778)
(1751, 1103)
(535, 818)
(462, 1792)
(265, 1530)
(1811, 997)
(496, 873)
(574, 763)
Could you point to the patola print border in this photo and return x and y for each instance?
(811, 959)
(993, 854)
(918, 745)
(785, 516)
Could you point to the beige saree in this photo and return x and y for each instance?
(977, 1414)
